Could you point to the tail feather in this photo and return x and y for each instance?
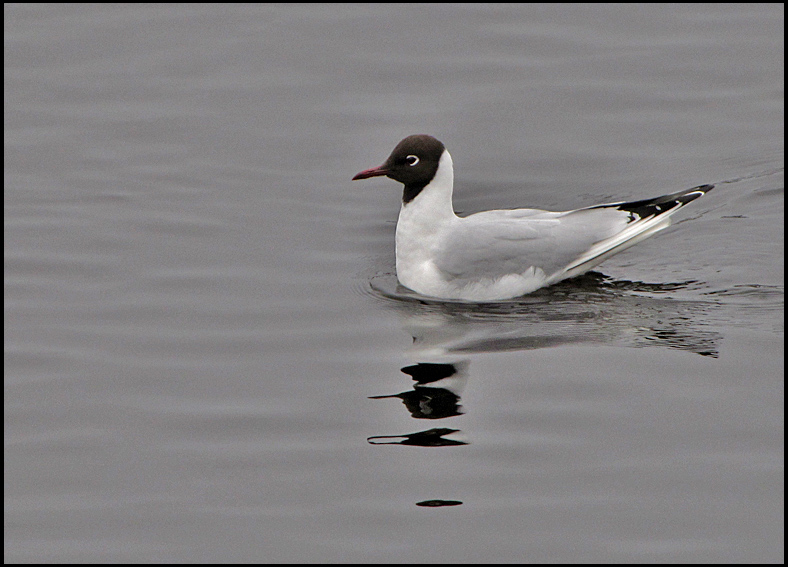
(646, 217)
(659, 205)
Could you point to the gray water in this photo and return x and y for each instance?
(208, 358)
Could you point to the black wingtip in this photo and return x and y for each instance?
(693, 193)
(660, 205)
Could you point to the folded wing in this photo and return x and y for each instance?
(559, 245)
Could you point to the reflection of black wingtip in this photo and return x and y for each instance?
(429, 438)
(438, 503)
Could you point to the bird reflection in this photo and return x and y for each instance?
(439, 400)
(589, 309)
(430, 438)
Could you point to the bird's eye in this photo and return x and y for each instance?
(412, 160)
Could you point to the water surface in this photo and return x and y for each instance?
(208, 358)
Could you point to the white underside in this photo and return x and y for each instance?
(426, 279)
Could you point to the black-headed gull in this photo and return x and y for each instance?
(502, 254)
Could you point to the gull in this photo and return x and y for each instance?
(502, 254)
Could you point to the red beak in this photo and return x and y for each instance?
(374, 172)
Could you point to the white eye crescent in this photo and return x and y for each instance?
(412, 160)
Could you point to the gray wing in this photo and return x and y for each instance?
(497, 243)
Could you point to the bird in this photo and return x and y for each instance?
(502, 254)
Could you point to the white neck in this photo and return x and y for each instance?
(434, 201)
(421, 221)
